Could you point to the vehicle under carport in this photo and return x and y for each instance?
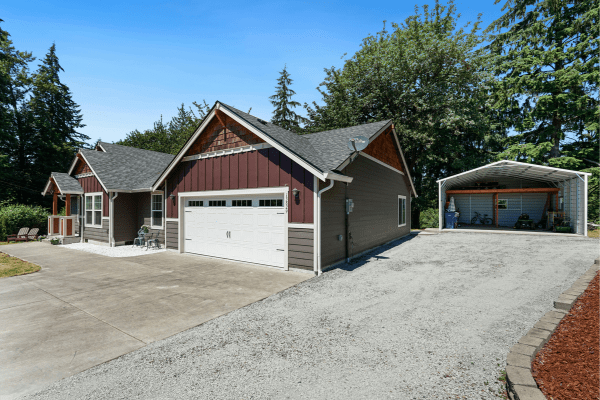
(505, 195)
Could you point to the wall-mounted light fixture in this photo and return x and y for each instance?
(296, 193)
(172, 197)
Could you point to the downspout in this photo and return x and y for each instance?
(82, 218)
(319, 207)
(111, 225)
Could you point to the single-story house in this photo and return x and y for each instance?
(244, 189)
(109, 195)
(498, 195)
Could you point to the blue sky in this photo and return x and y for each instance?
(127, 63)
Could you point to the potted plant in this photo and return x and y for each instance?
(55, 241)
(145, 228)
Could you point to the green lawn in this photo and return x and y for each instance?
(12, 266)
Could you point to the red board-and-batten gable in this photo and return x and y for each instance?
(90, 184)
(266, 167)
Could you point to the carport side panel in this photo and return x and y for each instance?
(375, 218)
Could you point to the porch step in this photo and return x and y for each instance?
(63, 240)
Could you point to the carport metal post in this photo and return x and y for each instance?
(585, 205)
(440, 208)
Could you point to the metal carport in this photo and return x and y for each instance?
(516, 179)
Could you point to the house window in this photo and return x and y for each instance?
(93, 209)
(195, 203)
(502, 204)
(241, 203)
(157, 210)
(270, 203)
(216, 203)
(401, 211)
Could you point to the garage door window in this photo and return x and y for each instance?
(241, 203)
(216, 203)
(270, 203)
(195, 203)
(157, 210)
(401, 211)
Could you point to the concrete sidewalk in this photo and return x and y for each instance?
(83, 309)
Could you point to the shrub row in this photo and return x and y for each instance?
(16, 216)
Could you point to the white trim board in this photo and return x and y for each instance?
(381, 162)
(219, 153)
(236, 192)
(297, 225)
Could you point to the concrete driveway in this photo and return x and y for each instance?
(83, 309)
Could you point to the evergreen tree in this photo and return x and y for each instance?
(428, 77)
(56, 118)
(283, 116)
(17, 137)
(169, 137)
(546, 59)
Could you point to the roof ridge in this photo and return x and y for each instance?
(347, 127)
(132, 147)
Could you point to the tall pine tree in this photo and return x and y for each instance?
(56, 117)
(283, 116)
(17, 137)
(546, 59)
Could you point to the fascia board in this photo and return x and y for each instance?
(470, 171)
(404, 162)
(185, 148)
(380, 131)
(337, 177)
(46, 187)
(95, 174)
(274, 143)
(74, 163)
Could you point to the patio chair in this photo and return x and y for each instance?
(33, 234)
(21, 236)
(152, 242)
(140, 240)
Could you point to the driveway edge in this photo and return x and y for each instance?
(520, 384)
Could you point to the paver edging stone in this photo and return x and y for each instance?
(520, 384)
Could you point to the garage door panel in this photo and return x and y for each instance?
(250, 234)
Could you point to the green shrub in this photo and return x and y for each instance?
(429, 218)
(16, 216)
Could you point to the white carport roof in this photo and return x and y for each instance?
(512, 169)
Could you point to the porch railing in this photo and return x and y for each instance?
(61, 225)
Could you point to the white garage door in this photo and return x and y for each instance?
(249, 228)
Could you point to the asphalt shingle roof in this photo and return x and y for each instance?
(332, 145)
(324, 150)
(126, 168)
(66, 183)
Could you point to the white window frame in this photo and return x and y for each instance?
(93, 209)
(405, 210)
(162, 210)
(506, 200)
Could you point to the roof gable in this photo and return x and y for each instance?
(123, 168)
(217, 137)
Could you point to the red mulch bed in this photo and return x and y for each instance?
(568, 366)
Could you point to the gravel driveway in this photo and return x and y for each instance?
(431, 317)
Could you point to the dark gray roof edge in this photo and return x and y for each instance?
(387, 122)
(130, 147)
(238, 112)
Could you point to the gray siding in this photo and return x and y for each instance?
(374, 220)
(97, 234)
(143, 214)
(172, 235)
(301, 248)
